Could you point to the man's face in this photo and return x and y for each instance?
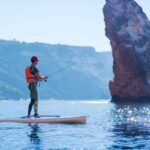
(35, 63)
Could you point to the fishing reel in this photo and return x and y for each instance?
(46, 79)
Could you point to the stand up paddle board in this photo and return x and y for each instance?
(46, 119)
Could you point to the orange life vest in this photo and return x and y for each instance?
(29, 77)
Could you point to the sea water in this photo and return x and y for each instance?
(109, 126)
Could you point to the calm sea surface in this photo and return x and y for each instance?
(109, 126)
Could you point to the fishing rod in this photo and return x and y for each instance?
(53, 74)
(59, 70)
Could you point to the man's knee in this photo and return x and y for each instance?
(32, 101)
(36, 102)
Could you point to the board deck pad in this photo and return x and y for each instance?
(40, 116)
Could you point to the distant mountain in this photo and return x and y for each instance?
(81, 72)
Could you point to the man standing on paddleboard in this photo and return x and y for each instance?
(32, 77)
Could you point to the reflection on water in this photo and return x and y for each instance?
(34, 135)
(127, 136)
(131, 127)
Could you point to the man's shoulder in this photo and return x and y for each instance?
(33, 69)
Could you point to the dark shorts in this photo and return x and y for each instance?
(33, 90)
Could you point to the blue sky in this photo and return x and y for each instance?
(72, 22)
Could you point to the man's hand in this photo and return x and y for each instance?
(45, 78)
(40, 78)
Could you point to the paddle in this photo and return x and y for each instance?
(41, 116)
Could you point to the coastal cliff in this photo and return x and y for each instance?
(128, 30)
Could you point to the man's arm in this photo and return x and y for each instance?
(39, 77)
(36, 73)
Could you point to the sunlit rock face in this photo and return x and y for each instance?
(128, 30)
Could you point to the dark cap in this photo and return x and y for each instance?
(34, 58)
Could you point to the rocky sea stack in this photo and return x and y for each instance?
(128, 30)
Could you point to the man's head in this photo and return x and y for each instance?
(34, 60)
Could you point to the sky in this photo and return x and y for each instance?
(71, 22)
